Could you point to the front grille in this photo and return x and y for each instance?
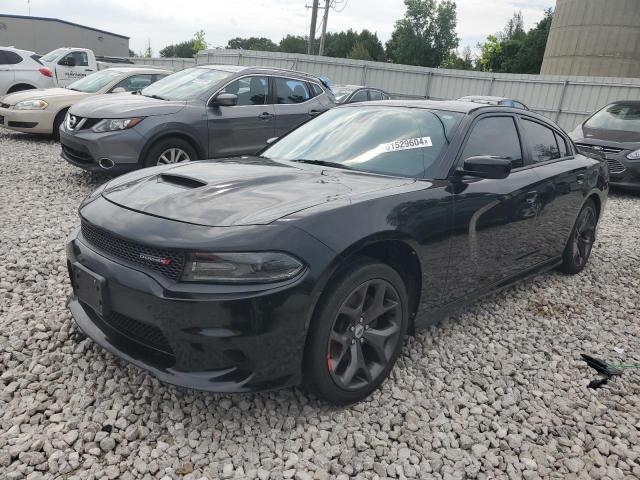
(132, 252)
(615, 166)
(74, 122)
(138, 331)
(600, 148)
(77, 155)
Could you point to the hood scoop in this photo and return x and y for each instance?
(181, 181)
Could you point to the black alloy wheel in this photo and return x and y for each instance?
(583, 236)
(357, 332)
(364, 335)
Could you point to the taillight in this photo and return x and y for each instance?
(46, 72)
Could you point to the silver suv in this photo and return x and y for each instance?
(202, 112)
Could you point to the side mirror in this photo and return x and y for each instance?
(271, 140)
(226, 100)
(119, 90)
(487, 167)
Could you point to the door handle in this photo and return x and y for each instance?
(265, 116)
(313, 113)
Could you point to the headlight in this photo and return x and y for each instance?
(31, 105)
(634, 155)
(115, 124)
(258, 267)
(95, 194)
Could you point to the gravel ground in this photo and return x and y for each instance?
(497, 391)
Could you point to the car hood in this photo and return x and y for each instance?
(55, 94)
(607, 138)
(246, 191)
(125, 106)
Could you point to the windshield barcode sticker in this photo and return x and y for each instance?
(407, 144)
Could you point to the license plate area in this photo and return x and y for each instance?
(90, 288)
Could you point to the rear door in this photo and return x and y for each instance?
(494, 220)
(565, 180)
(295, 103)
(244, 128)
(7, 74)
(73, 66)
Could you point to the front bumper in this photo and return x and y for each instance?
(29, 121)
(222, 338)
(85, 149)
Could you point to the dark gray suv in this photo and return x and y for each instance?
(202, 112)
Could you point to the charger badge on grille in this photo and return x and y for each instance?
(155, 259)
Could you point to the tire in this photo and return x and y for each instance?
(163, 147)
(337, 340)
(56, 124)
(578, 249)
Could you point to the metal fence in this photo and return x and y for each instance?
(175, 64)
(567, 100)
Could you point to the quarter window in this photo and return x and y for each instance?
(250, 90)
(496, 137)
(9, 58)
(315, 89)
(375, 95)
(136, 82)
(291, 91)
(542, 140)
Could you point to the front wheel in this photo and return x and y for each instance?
(170, 151)
(578, 248)
(357, 332)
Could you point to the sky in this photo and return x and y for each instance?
(163, 22)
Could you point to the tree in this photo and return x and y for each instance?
(462, 62)
(513, 50)
(199, 43)
(359, 52)
(426, 35)
(179, 50)
(253, 43)
(132, 53)
(341, 44)
(294, 44)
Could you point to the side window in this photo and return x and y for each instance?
(135, 82)
(81, 59)
(542, 141)
(250, 90)
(562, 145)
(495, 136)
(375, 95)
(9, 58)
(360, 96)
(291, 91)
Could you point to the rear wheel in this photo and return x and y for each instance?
(169, 151)
(357, 332)
(578, 249)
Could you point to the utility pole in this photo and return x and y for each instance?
(327, 4)
(312, 31)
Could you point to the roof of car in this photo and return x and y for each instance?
(136, 69)
(449, 105)
(486, 98)
(238, 68)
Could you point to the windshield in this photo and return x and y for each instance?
(341, 93)
(387, 140)
(51, 56)
(186, 84)
(619, 116)
(94, 82)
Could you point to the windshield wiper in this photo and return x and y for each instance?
(323, 163)
(74, 89)
(157, 97)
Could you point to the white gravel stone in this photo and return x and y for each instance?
(496, 391)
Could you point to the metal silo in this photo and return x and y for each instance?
(594, 38)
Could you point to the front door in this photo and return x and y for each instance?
(242, 129)
(494, 220)
(71, 67)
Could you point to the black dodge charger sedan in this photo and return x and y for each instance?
(311, 262)
(613, 133)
